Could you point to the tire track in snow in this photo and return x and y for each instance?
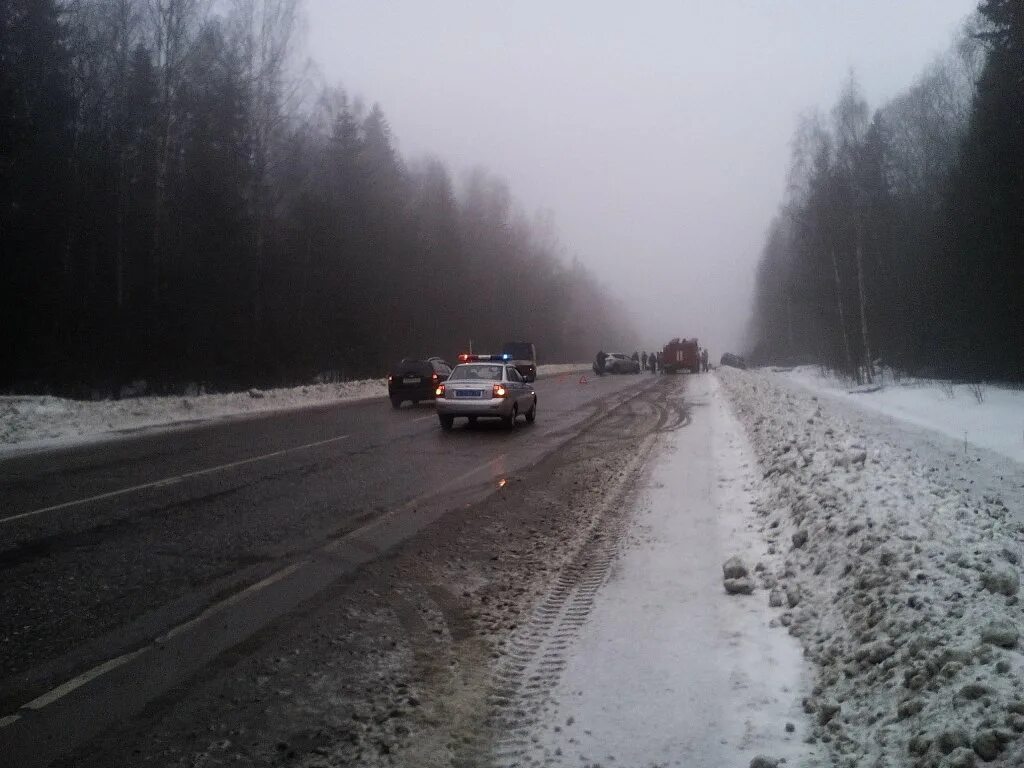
(538, 652)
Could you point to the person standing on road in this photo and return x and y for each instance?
(643, 360)
(599, 362)
(654, 362)
(704, 359)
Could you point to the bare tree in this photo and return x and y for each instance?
(850, 117)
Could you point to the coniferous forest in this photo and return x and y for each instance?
(178, 203)
(901, 239)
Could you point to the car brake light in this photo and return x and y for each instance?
(433, 376)
(499, 390)
(439, 392)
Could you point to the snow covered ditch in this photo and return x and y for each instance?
(42, 421)
(987, 415)
(902, 587)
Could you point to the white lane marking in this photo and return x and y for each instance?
(101, 669)
(170, 480)
(229, 601)
(66, 688)
(77, 682)
(424, 418)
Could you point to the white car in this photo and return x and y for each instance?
(491, 389)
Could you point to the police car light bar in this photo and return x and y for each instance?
(468, 358)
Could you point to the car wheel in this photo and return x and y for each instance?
(510, 421)
(396, 403)
(531, 415)
(446, 422)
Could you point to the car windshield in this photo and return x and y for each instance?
(476, 372)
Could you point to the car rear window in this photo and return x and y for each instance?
(477, 372)
(519, 351)
(414, 367)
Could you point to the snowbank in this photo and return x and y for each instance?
(995, 421)
(36, 422)
(901, 585)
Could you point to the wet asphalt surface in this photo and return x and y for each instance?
(429, 655)
(88, 581)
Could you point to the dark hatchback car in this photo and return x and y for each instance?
(416, 380)
(523, 355)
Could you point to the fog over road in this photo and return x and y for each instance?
(153, 555)
(657, 137)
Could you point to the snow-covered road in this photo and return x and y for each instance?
(669, 669)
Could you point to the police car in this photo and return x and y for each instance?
(485, 386)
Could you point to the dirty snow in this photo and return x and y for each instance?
(670, 670)
(28, 422)
(986, 415)
(904, 556)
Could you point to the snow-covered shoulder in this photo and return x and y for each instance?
(28, 422)
(670, 669)
(906, 578)
(986, 415)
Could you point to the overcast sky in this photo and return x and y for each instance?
(656, 132)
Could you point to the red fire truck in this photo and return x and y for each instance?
(681, 355)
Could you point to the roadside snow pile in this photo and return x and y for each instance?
(41, 420)
(36, 421)
(903, 590)
(988, 416)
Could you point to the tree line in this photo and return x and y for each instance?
(178, 205)
(901, 238)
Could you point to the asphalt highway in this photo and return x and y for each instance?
(126, 565)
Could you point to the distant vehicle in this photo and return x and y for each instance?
(733, 361)
(485, 386)
(681, 355)
(617, 362)
(416, 380)
(523, 355)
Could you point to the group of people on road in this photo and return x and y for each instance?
(651, 362)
